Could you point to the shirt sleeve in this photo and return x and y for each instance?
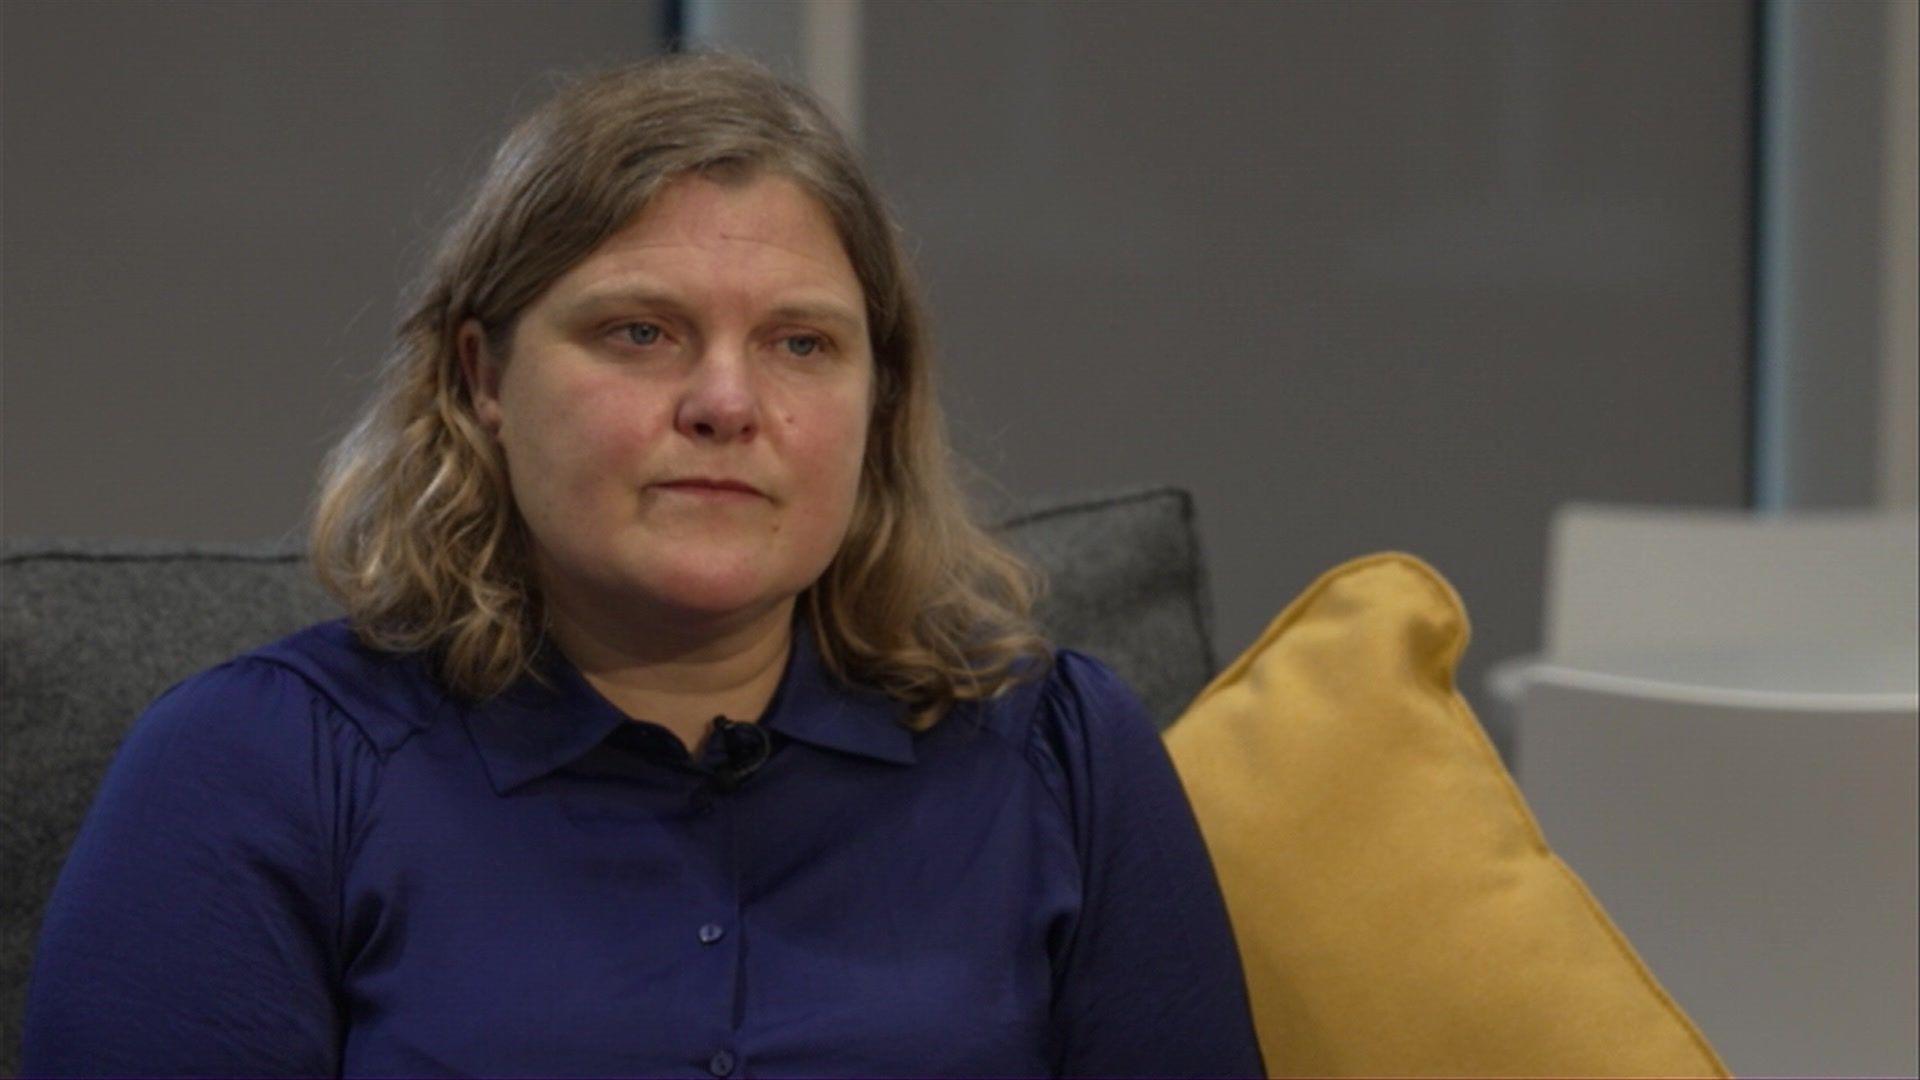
(1149, 982)
(194, 926)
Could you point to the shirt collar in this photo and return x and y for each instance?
(815, 707)
(529, 730)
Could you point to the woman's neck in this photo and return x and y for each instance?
(684, 680)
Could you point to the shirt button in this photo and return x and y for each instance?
(711, 933)
(703, 801)
(721, 1064)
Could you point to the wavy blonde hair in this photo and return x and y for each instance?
(414, 528)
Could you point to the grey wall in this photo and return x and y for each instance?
(1361, 276)
(209, 211)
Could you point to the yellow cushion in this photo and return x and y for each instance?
(1397, 909)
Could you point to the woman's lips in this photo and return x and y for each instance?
(711, 489)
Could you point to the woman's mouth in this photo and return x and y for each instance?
(709, 488)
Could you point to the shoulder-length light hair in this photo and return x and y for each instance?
(414, 528)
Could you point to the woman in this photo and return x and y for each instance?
(681, 722)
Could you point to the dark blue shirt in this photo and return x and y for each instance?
(311, 860)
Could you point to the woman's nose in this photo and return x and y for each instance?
(719, 401)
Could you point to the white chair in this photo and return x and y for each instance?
(1723, 740)
(1805, 602)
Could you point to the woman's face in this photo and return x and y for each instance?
(721, 335)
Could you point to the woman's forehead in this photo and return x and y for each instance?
(768, 225)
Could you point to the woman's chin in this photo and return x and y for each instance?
(703, 606)
(714, 594)
(711, 586)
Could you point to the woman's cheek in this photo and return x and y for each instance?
(610, 434)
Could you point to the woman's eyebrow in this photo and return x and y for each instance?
(818, 311)
(807, 310)
(594, 300)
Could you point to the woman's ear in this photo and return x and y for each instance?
(480, 370)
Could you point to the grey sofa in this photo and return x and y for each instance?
(91, 632)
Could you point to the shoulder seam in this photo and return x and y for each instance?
(1059, 800)
(1022, 744)
(333, 706)
(1033, 752)
(338, 857)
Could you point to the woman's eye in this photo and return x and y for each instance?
(804, 344)
(642, 333)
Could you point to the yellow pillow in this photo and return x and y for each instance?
(1397, 909)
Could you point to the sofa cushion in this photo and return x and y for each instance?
(1397, 909)
(1126, 583)
(92, 631)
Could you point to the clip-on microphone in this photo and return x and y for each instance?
(746, 746)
